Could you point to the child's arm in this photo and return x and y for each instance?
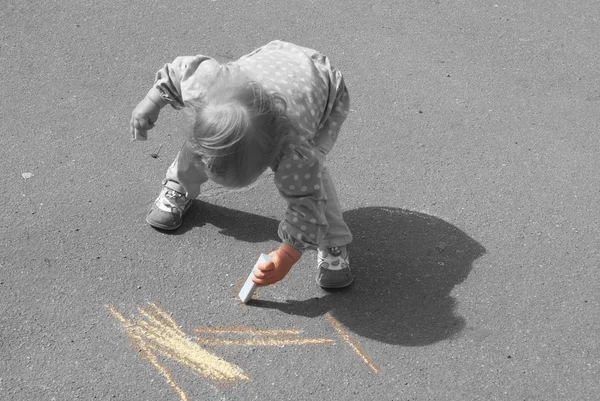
(183, 79)
(299, 180)
(145, 114)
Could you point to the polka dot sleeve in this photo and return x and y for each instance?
(174, 78)
(299, 181)
(338, 102)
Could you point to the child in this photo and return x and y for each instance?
(279, 107)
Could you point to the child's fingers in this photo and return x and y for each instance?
(262, 283)
(261, 274)
(139, 128)
(143, 124)
(265, 267)
(265, 278)
(265, 273)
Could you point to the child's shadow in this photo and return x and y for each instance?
(240, 225)
(406, 266)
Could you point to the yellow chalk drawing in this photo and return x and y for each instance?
(158, 334)
(353, 344)
(274, 338)
(247, 330)
(271, 342)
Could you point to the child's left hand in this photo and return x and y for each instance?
(275, 270)
(143, 118)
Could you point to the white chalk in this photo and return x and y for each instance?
(140, 135)
(250, 286)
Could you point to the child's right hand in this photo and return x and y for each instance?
(143, 118)
(282, 261)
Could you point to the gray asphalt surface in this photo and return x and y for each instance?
(468, 170)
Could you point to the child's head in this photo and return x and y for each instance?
(239, 128)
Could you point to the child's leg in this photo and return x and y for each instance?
(182, 184)
(188, 171)
(338, 234)
(333, 261)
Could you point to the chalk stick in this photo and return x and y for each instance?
(250, 286)
(140, 135)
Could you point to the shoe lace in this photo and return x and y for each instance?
(333, 257)
(335, 251)
(174, 200)
(171, 194)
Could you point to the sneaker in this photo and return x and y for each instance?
(167, 211)
(334, 268)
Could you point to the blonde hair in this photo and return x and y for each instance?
(239, 127)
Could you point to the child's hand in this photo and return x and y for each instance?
(275, 270)
(143, 118)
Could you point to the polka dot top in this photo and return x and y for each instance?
(317, 103)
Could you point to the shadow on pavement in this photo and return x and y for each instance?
(242, 226)
(406, 264)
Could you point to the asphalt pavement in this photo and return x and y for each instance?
(468, 170)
